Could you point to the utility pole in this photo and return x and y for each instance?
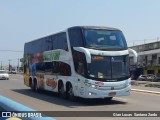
(9, 65)
(1, 65)
(18, 66)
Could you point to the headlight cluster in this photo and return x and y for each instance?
(92, 85)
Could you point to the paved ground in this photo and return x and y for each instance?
(146, 88)
(15, 89)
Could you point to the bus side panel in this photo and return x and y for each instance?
(26, 77)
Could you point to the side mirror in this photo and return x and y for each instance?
(135, 55)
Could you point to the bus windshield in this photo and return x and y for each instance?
(104, 39)
(108, 67)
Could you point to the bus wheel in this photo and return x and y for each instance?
(61, 90)
(71, 93)
(32, 86)
(36, 86)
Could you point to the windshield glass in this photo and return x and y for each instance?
(104, 39)
(109, 68)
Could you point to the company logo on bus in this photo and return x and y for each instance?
(99, 83)
(111, 80)
(51, 82)
(97, 57)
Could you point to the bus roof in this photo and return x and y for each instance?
(81, 27)
(95, 27)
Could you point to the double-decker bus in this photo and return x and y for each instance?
(82, 61)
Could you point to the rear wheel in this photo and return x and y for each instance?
(71, 93)
(61, 90)
(36, 86)
(32, 86)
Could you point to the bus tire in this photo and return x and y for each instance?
(32, 85)
(70, 94)
(61, 90)
(36, 89)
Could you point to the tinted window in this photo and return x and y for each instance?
(80, 63)
(64, 69)
(59, 68)
(47, 43)
(107, 67)
(40, 67)
(60, 41)
(75, 36)
(57, 41)
(48, 67)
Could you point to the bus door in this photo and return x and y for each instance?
(80, 78)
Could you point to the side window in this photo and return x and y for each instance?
(76, 37)
(60, 41)
(80, 63)
(55, 67)
(64, 69)
(40, 67)
(59, 68)
(48, 67)
(47, 45)
(54, 42)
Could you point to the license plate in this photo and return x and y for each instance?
(112, 94)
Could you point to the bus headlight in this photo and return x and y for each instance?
(93, 86)
(92, 93)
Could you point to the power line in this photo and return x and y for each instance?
(1, 65)
(142, 40)
(11, 51)
(9, 65)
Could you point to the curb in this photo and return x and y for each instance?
(10, 105)
(146, 84)
(146, 91)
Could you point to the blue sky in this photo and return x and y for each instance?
(25, 20)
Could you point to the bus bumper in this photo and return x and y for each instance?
(95, 93)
